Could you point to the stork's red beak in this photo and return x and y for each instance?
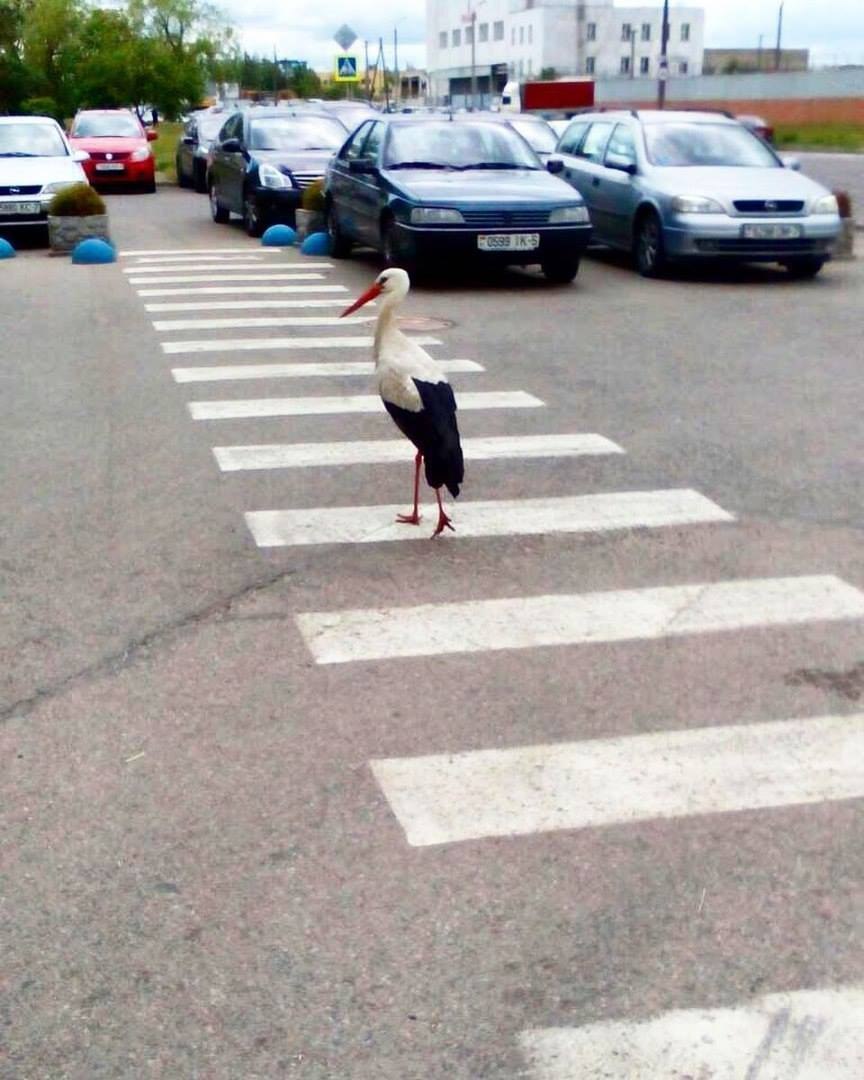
(370, 294)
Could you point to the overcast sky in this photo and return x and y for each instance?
(833, 29)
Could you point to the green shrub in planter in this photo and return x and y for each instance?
(313, 197)
(844, 203)
(74, 214)
(845, 248)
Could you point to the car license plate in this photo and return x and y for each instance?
(771, 232)
(509, 242)
(109, 166)
(20, 208)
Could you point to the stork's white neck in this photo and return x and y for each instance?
(386, 327)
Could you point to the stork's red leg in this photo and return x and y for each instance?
(414, 517)
(444, 521)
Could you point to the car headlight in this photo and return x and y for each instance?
(58, 185)
(696, 204)
(270, 177)
(141, 154)
(435, 215)
(826, 205)
(569, 215)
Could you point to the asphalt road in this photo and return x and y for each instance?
(234, 840)
(843, 172)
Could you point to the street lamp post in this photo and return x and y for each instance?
(779, 36)
(663, 73)
(473, 59)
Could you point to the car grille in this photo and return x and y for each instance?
(116, 155)
(304, 179)
(506, 219)
(743, 245)
(24, 189)
(769, 206)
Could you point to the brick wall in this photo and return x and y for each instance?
(797, 111)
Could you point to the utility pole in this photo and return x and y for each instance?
(663, 73)
(473, 59)
(779, 36)
(632, 52)
(368, 93)
(397, 89)
(759, 54)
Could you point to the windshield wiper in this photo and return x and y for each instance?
(419, 165)
(494, 165)
(17, 153)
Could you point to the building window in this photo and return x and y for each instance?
(685, 31)
(498, 31)
(682, 67)
(530, 35)
(530, 65)
(644, 65)
(484, 31)
(521, 68)
(589, 65)
(442, 40)
(457, 38)
(469, 35)
(512, 35)
(626, 31)
(625, 65)
(591, 31)
(521, 35)
(646, 31)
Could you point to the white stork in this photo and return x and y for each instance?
(417, 395)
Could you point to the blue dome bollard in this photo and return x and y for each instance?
(6, 249)
(93, 251)
(318, 243)
(279, 236)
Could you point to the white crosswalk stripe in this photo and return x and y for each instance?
(252, 275)
(384, 451)
(445, 798)
(249, 249)
(517, 517)
(249, 305)
(251, 290)
(805, 1035)
(236, 372)
(350, 403)
(258, 256)
(254, 323)
(156, 273)
(337, 637)
(254, 344)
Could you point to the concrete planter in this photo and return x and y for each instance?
(65, 232)
(845, 247)
(308, 222)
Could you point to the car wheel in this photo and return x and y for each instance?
(648, 252)
(560, 271)
(340, 245)
(805, 267)
(150, 187)
(217, 211)
(199, 180)
(392, 250)
(252, 218)
(182, 179)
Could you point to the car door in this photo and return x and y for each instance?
(589, 174)
(235, 167)
(568, 148)
(186, 150)
(617, 194)
(341, 183)
(367, 189)
(220, 161)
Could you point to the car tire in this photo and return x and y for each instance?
(182, 178)
(340, 245)
(391, 249)
(199, 179)
(150, 187)
(560, 271)
(253, 219)
(648, 250)
(805, 267)
(217, 211)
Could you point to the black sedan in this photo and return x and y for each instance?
(423, 190)
(263, 159)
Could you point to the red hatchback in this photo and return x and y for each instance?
(119, 148)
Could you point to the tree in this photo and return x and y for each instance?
(51, 49)
(549, 73)
(15, 80)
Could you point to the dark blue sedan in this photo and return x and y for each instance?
(430, 189)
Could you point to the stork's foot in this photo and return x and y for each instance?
(444, 522)
(409, 519)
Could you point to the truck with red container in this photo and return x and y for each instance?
(549, 97)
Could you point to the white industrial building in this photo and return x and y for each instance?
(521, 39)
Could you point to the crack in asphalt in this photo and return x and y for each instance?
(117, 661)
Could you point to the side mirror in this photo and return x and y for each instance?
(555, 166)
(621, 164)
(152, 136)
(232, 146)
(791, 163)
(80, 156)
(363, 166)
(187, 140)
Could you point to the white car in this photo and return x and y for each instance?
(36, 162)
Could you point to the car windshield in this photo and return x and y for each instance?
(540, 137)
(446, 144)
(682, 145)
(109, 126)
(31, 140)
(296, 133)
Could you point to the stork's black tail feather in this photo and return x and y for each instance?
(442, 450)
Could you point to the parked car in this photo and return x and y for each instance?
(758, 126)
(675, 185)
(36, 161)
(429, 188)
(533, 129)
(351, 113)
(193, 148)
(262, 160)
(119, 148)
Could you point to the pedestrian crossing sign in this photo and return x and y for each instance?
(346, 69)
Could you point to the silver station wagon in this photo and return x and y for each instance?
(688, 185)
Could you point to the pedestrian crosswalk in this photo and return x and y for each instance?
(453, 794)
